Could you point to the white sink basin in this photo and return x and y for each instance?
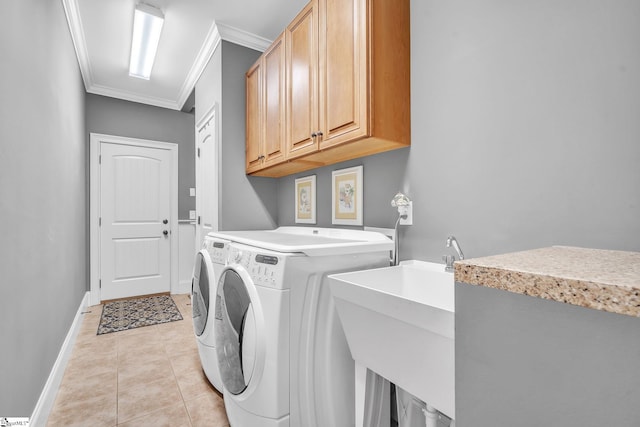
(399, 323)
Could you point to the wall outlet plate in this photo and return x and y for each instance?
(192, 214)
(409, 220)
(192, 192)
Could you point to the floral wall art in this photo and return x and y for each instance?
(346, 195)
(306, 200)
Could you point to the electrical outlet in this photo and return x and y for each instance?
(192, 192)
(192, 214)
(409, 220)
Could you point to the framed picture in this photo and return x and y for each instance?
(306, 200)
(346, 196)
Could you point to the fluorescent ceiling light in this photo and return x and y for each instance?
(147, 25)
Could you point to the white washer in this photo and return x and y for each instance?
(209, 263)
(252, 336)
(282, 353)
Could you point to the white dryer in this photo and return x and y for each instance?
(209, 263)
(283, 356)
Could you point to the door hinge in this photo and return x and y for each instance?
(198, 219)
(100, 283)
(100, 159)
(99, 221)
(198, 152)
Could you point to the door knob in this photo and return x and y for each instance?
(165, 232)
(165, 221)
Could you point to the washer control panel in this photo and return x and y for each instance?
(265, 269)
(218, 250)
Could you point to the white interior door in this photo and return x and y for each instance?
(135, 220)
(207, 172)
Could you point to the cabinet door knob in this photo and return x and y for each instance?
(319, 134)
(313, 135)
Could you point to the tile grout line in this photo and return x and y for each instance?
(117, 379)
(175, 377)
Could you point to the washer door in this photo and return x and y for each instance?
(236, 331)
(200, 285)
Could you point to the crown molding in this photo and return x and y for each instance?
(134, 97)
(217, 33)
(210, 44)
(243, 38)
(72, 12)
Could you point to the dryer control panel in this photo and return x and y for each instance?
(217, 249)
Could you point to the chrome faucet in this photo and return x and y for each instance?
(449, 259)
(451, 241)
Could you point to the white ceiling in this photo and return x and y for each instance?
(101, 32)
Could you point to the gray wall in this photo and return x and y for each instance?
(123, 118)
(525, 130)
(245, 202)
(42, 196)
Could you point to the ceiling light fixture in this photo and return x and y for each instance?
(147, 25)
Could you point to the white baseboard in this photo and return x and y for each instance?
(47, 397)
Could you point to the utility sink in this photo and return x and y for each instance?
(399, 323)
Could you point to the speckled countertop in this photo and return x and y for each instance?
(599, 279)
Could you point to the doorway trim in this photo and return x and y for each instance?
(210, 118)
(94, 206)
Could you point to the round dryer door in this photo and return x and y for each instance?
(235, 331)
(200, 291)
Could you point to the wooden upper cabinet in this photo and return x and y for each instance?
(348, 88)
(302, 82)
(365, 84)
(265, 85)
(254, 135)
(274, 102)
(343, 71)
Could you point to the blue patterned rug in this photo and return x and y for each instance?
(135, 313)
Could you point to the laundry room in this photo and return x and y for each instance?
(255, 233)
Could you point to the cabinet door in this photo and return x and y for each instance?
(274, 105)
(343, 71)
(254, 136)
(302, 85)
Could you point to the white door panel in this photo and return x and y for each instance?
(136, 181)
(144, 251)
(135, 190)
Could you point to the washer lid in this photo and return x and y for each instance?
(310, 240)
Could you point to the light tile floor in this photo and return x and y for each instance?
(148, 376)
